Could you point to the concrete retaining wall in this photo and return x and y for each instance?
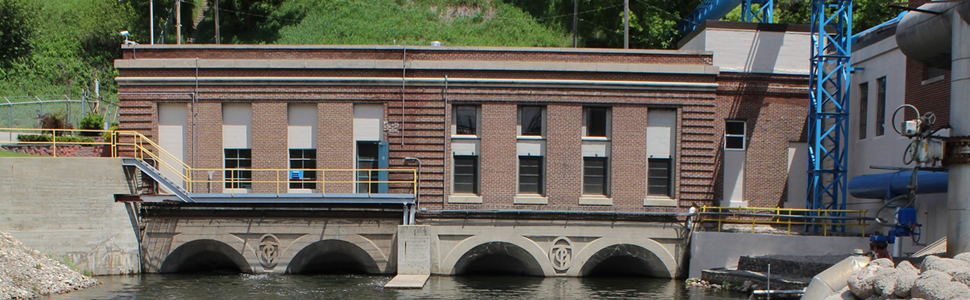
(64, 207)
(721, 249)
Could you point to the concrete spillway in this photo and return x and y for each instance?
(938, 35)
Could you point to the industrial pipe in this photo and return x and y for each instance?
(888, 185)
(938, 34)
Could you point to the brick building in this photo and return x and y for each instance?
(493, 128)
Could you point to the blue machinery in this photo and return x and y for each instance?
(828, 119)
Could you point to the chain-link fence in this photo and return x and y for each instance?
(27, 112)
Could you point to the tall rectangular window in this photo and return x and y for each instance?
(658, 177)
(530, 175)
(596, 121)
(863, 109)
(238, 173)
(881, 106)
(466, 174)
(367, 161)
(531, 120)
(304, 162)
(596, 173)
(466, 119)
(734, 135)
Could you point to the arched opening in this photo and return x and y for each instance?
(497, 258)
(332, 257)
(624, 260)
(205, 256)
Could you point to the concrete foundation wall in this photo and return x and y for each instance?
(720, 249)
(64, 207)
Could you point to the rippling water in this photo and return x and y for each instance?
(240, 287)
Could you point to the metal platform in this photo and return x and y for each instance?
(272, 198)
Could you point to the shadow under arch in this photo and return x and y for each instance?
(205, 256)
(332, 257)
(624, 260)
(498, 258)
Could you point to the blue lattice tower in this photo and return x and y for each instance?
(828, 119)
(717, 9)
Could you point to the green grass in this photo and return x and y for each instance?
(4, 153)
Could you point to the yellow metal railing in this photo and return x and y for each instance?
(136, 145)
(783, 216)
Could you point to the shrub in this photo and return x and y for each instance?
(111, 130)
(52, 121)
(47, 138)
(91, 122)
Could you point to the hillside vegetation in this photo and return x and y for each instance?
(58, 48)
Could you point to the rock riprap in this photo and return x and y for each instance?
(26, 273)
(936, 279)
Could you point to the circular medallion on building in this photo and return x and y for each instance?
(561, 254)
(269, 250)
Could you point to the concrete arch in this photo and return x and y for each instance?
(340, 254)
(657, 260)
(530, 252)
(527, 264)
(204, 255)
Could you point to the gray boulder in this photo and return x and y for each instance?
(945, 265)
(905, 280)
(962, 277)
(844, 294)
(936, 285)
(906, 266)
(883, 262)
(861, 282)
(884, 281)
(965, 256)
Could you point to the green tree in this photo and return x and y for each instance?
(16, 28)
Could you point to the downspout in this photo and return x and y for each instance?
(404, 72)
(195, 114)
(447, 131)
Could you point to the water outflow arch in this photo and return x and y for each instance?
(498, 258)
(205, 256)
(332, 257)
(938, 35)
(624, 260)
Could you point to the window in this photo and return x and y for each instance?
(466, 174)
(863, 109)
(466, 119)
(530, 175)
(531, 120)
(931, 72)
(734, 135)
(242, 160)
(658, 177)
(881, 106)
(303, 161)
(367, 159)
(596, 121)
(595, 176)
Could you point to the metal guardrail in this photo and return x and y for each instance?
(824, 218)
(135, 145)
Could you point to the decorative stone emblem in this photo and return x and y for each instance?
(561, 254)
(268, 251)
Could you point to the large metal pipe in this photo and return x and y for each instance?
(888, 185)
(925, 37)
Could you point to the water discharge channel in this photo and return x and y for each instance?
(272, 286)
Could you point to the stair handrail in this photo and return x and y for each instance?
(162, 158)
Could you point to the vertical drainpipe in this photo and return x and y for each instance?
(444, 159)
(958, 234)
(404, 73)
(195, 114)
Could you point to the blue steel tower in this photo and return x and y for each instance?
(828, 119)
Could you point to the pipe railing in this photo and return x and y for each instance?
(784, 216)
(136, 145)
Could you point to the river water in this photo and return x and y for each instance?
(244, 286)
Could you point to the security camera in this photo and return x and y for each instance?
(124, 33)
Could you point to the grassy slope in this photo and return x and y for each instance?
(417, 22)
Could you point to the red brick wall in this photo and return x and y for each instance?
(269, 146)
(209, 152)
(628, 169)
(498, 159)
(931, 97)
(564, 157)
(335, 151)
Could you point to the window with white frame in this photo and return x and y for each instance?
(238, 164)
(303, 164)
(466, 174)
(734, 135)
(531, 120)
(465, 120)
(531, 175)
(596, 121)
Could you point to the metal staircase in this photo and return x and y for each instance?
(157, 176)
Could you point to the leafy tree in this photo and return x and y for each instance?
(16, 28)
